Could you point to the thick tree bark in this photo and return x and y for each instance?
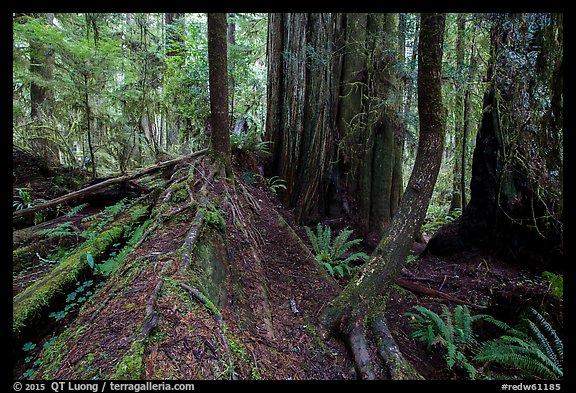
(353, 86)
(364, 299)
(219, 149)
(303, 78)
(369, 125)
(515, 188)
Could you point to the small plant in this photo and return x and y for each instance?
(62, 230)
(556, 283)
(411, 259)
(250, 141)
(274, 183)
(23, 200)
(74, 299)
(32, 353)
(331, 254)
(533, 348)
(452, 331)
(436, 217)
(76, 209)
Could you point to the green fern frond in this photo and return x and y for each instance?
(313, 240)
(62, 230)
(76, 209)
(326, 237)
(543, 343)
(529, 351)
(341, 244)
(355, 256)
(556, 342)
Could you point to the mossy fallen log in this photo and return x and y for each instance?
(34, 303)
(88, 190)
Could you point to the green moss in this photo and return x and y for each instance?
(31, 304)
(22, 258)
(179, 196)
(311, 330)
(130, 366)
(214, 217)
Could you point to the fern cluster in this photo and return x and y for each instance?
(452, 331)
(331, 254)
(533, 348)
(249, 141)
(106, 216)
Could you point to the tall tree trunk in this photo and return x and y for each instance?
(368, 119)
(41, 96)
(302, 92)
(219, 149)
(515, 187)
(174, 47)
(88, 115)
(460, 113)
(362, 303)
(353, 86)
(230, 35)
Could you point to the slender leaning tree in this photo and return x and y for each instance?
(361, 305)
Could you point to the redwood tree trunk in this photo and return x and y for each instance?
(302, 98)
(219, 149)
(514, 208)
(363, 301)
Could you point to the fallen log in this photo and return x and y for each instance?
(414, 287)
(86, 191)
(34, 303)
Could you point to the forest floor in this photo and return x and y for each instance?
(284, 293)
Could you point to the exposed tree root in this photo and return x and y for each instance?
(217, 317)
(398, 367)
(356, 340)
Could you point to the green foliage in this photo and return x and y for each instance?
(214, 217)
(75, 299)
(411, 259)
(76, 209)
(331, 254)
(452, 331)
(61, 230)
(556, 283)
(105, 217)
(250, 141)
(23, 200)
(274, 183)
(532, 349)
(437, 216)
